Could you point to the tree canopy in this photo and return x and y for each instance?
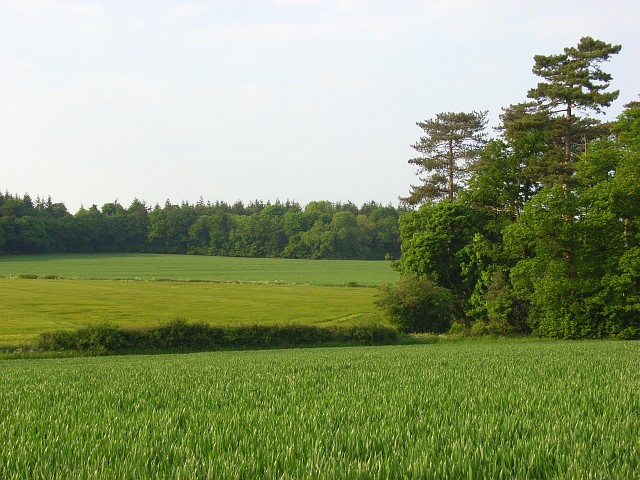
(574, 80)
(543, 235)
(319, 230)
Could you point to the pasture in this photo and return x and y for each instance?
(502, 409)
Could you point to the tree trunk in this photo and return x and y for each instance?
(567, 137)
(567, 152)
(451, 169)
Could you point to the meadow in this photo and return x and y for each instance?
(501, 409)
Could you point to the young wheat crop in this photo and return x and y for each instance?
(474, 410)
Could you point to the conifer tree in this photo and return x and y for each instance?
(574, 81)
(451, 143)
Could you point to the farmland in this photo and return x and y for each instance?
(124, 290)
(471, 409)
(205, 268)
(502, 409)
(34, 306)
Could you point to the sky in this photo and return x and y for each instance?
(299, 100)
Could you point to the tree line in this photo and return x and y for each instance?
(320, 230)
(536, 230)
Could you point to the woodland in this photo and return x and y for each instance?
(536, 230)
(320, 230)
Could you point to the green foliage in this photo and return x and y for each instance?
(417, 304)
(569, 246)
(434, 239)
(457, 329)
(98, 339)
(619, 300)
(494, 304)
(480, 328)
(574, 78)
(179, 335)
(543, 238)
(322, 230)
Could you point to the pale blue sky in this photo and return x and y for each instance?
(283, 99)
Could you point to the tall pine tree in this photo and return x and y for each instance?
(574, 81)
(450, 144)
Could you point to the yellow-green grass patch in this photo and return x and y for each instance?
(30, 307)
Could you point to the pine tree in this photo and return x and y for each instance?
(574, 81)
(451, 143)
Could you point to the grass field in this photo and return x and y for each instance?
(191, 267)
(275, 291)
(30, 307)
(507, 409)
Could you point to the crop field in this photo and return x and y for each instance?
(192, 267)
(29, 307)
(214, 290)
(502, 409)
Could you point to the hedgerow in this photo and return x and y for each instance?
(180, 335)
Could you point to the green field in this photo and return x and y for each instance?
(30, 307)
(192, 267)
(507, 409)
(214, 290)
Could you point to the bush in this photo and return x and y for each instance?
(100, 339)
(97, 339)
(480, 328)
(417, 305)
(177, 334)
(56, 341)
(457, 328)
(365, 334)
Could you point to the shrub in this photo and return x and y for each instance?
(97, 339)
(56, 341)
(365, 334)
(416, 304)
(480, 328)
(177, 334)
(180, 334)
(100, 339)
(457, 328)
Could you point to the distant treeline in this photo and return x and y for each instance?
(320, 230)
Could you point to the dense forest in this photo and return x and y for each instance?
(537, 230)
(320, 230)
